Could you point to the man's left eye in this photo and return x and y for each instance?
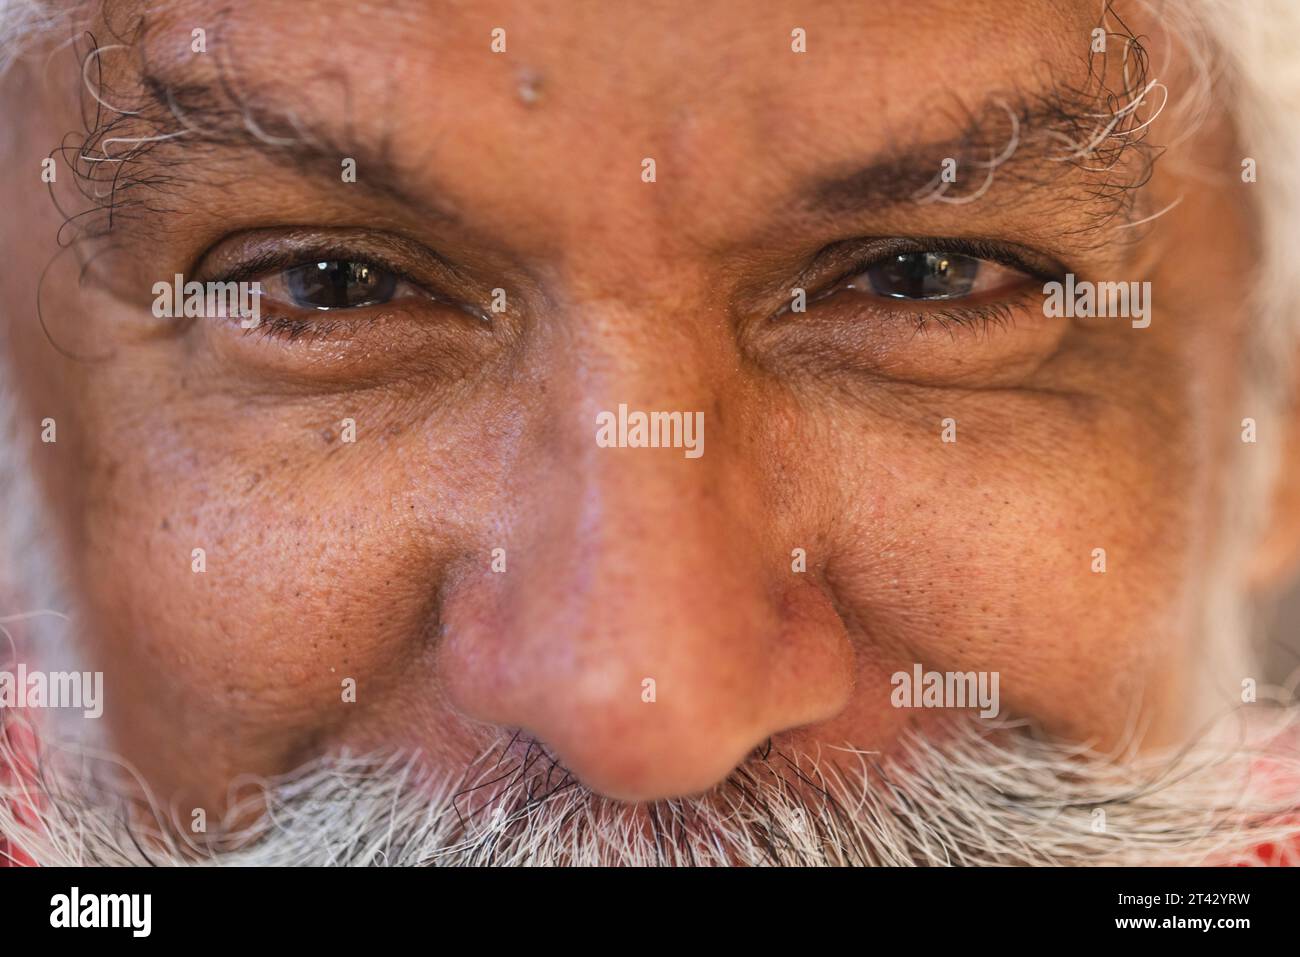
(932, 276)
(333, 284)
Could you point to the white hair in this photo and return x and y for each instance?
(1250, 53)
(1259, 44)
(974, 795)
(22, 24)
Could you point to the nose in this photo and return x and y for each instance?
(649, 628)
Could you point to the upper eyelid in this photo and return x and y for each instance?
(1010, 256)
(285, 247)
(828, 290)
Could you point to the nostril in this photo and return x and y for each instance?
(639, 774)
(643, 633)
(656, 712)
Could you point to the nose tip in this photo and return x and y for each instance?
(681, 708)
(622, 744)
(659, 705)
(649, 656)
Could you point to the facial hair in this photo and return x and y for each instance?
(976, 795)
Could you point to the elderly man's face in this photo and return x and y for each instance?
(411, 536)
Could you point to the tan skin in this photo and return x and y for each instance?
(372, 560)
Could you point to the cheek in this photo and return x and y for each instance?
(320, 563)
(1036, 545)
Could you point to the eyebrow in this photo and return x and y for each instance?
(130, 155)
(316, 148)
(1015, 143)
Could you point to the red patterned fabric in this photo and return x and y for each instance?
(20, 741)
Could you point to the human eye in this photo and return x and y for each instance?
(942, 282)
(314, 298)
(932, 275)
(347, 305)
(926, 310)
(334, 284)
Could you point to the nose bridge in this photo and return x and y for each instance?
(634, 530)
(634, 457)
(616, 570)
(645, 630)
(647, 535)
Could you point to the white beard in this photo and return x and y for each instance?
(974, 799)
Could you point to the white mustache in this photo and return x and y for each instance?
(967, 798)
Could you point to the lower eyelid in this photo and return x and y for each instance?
(294, 328)
(991, 317)
(301, 324)
(1000, 342)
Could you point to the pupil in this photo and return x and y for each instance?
(338, 284)
(927, 275)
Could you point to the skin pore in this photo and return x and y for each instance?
(371, 560)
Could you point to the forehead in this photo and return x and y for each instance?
(677, 76)
(650, 50)
(513, 114)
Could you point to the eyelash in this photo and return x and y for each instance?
(293, 328)
(981, 318)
